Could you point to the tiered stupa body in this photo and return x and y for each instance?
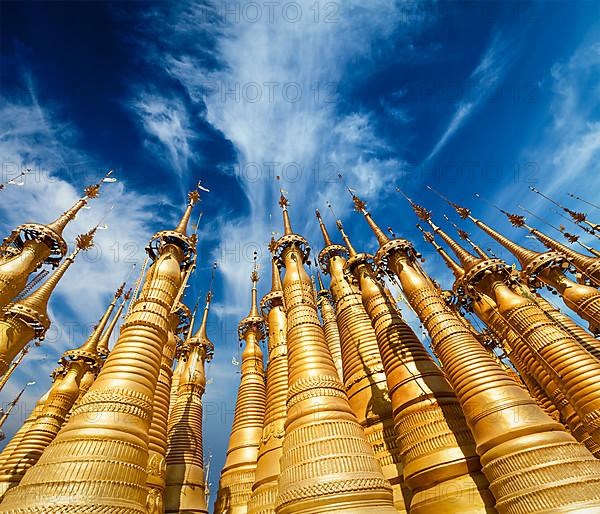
(97, 463)
(265, 488)
(102, 349)
(327, 464)
(237, 476)
(332, 333)
(77, 364)
(364, 376)
(157, 433)
(185, 481)
(440, 463)
(56, 376)
(532, 465)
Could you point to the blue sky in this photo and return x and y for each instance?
(485, 97)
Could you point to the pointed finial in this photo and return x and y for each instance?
(538, 192)
(577, 217)
(254, 277)
(253, 321)
(421, 212)
(465, 236)
(361, 206)
(326, 238)
(320, 281)
(463, 212)
(193, 199)
(90, 192)
(201, 333)
(275, 277)
(346, 239)
(89, 349)
(283, 203)
(454, 267)
(583, 200)
(103, 344)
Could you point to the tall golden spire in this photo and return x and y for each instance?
(453, 266)
(90, 192)
(77, 363)
(440, 463)
(193, 198)
(332, 333)
(27, 318)
(465, 236)
(13, 366)
(578, 218)
(238, 474)
(317, 477)
(351, 251)
(287, 225)
(510, 447)
(80, 471)
(104, 342)
(364, 376)
(323, 228)
(466, 259)
(185, 464)
(264, 490)
(4, 414)
(32, 244)
(588, 267)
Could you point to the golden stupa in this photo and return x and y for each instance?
(344, 409)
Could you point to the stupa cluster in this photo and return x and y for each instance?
(352, 412)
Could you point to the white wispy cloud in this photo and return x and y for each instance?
(565, 154)
(167, 124)
(484, 78)
(572, 142)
